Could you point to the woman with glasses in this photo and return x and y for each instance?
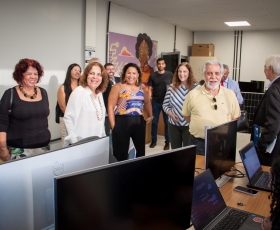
(272, 222)
(71, 82)
(183, 81)
(85, 112)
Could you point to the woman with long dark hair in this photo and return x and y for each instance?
(71, 82)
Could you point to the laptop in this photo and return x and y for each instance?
(209, 210)
(258, 179)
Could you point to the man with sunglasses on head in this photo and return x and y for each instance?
(209, 105)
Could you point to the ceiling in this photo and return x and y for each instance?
(210, 15)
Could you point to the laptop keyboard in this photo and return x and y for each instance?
(263, 181)
(232, 220)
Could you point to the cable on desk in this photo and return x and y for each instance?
(239, 175)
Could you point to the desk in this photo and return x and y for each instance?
(258, 204)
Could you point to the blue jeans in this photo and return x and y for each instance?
(157, 108)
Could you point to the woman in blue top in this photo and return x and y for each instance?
(125, 112)
(183, 81)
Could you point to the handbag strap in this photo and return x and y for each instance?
(11, 101)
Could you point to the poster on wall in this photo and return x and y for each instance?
(89, 54)
(140, 50)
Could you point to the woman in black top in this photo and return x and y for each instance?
(272, 222)
(24, 131)
(71, 82)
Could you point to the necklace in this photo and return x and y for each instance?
(101, 108)
(26, 95)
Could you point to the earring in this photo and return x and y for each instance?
(137, 80)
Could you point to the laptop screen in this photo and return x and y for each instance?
(250, 159)
(207, 200)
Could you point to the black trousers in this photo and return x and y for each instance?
(126, 127)
(107, 126)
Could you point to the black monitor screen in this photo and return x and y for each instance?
(221, 148)
(248, 86)
(260, 86)
(172, 60)
(153, 192)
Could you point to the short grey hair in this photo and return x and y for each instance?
(212, 62)
(274, 62)
(225, 67)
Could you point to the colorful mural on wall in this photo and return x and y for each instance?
(141, 50)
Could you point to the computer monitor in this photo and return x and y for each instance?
(26, 185)
(220, 148)
(172, 60)
(248, 86)
(260, 86)
(151, 192)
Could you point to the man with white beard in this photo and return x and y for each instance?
(209, 105)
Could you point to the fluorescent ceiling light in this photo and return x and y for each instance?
(240, 23)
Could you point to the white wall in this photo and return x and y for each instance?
(184, 41)
(101, 26)
(224, 44)
(256, 47)
(51, 32)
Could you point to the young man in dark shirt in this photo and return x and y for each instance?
(158, 82)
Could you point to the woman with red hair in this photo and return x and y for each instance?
(24, 112)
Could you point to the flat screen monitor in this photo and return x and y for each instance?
(220, 148)
(260, 86)
(248, 86)
(26, 185)
(172, 60)
(151, 192)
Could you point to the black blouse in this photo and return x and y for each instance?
(27, 125)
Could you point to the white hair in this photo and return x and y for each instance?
(213, 62)
(274, 62)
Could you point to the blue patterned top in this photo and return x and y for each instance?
(173, 100)
(130, 104)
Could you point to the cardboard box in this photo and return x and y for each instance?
(203, 50)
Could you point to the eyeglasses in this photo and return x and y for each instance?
(77, 71)
(215, 106)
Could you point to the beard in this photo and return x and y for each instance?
(212, 87)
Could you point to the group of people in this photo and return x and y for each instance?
(96, 103)
(96, 95)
